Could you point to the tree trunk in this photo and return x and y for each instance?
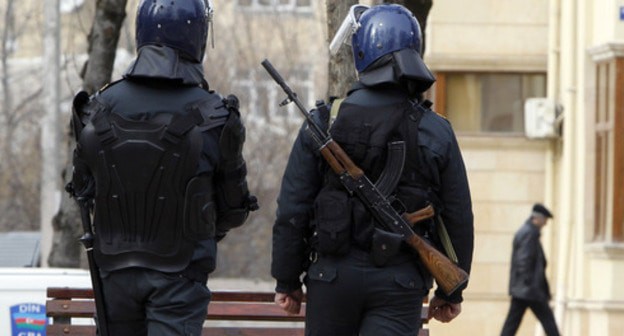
(49, 125)
(6, 106)
(103, 39)
(341, 72)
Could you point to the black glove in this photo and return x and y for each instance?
(233, 134)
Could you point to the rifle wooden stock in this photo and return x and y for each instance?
(446, 274)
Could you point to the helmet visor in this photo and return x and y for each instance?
(348, 27)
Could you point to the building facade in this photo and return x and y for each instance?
(568, 54)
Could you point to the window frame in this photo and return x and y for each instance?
(440, 95)
(608, 149)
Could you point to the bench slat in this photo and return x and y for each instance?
(80, 330)
(250, 312)
(225, 311)
(234, 296)
(89, 330)
(70, 330)
(70, 308)
(251, 331)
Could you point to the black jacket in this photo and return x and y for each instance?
(303, 178)
(528, 264)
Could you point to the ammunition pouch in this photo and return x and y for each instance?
(332, 222)
(384, 246)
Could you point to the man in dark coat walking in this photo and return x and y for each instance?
(528, 286)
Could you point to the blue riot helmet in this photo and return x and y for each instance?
(386, 42)
(384, 29)
(179, 24)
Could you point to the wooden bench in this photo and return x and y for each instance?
(229, 313)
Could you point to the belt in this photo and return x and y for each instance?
(400, 258)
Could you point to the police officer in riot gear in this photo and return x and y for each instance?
(359, 279)
(160, 154)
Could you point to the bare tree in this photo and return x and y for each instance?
(103, 39)
(18, 116)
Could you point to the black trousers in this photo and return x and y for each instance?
(141, 302)
(542, 311)
(349, 296)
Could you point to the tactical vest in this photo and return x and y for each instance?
(364, 132)
(150, 207)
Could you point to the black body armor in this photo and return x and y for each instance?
(150, 204)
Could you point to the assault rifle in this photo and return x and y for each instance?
(447, 274)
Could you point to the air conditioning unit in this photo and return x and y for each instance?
(540, 118)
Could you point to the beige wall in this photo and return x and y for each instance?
(563, 38)
(487, 35)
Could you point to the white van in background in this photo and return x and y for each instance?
(23, 296)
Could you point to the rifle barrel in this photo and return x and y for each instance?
(321, 136)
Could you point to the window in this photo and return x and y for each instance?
(609, 151)
(487, 102)
(304, 6)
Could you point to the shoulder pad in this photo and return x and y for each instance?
(212, 110)
(78, 120)
(84, 107)
(80, 99)
(231, 103)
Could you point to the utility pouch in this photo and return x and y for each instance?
(332, 221)
(385, 245)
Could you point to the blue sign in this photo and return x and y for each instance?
(621, 13)
(28, 319)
